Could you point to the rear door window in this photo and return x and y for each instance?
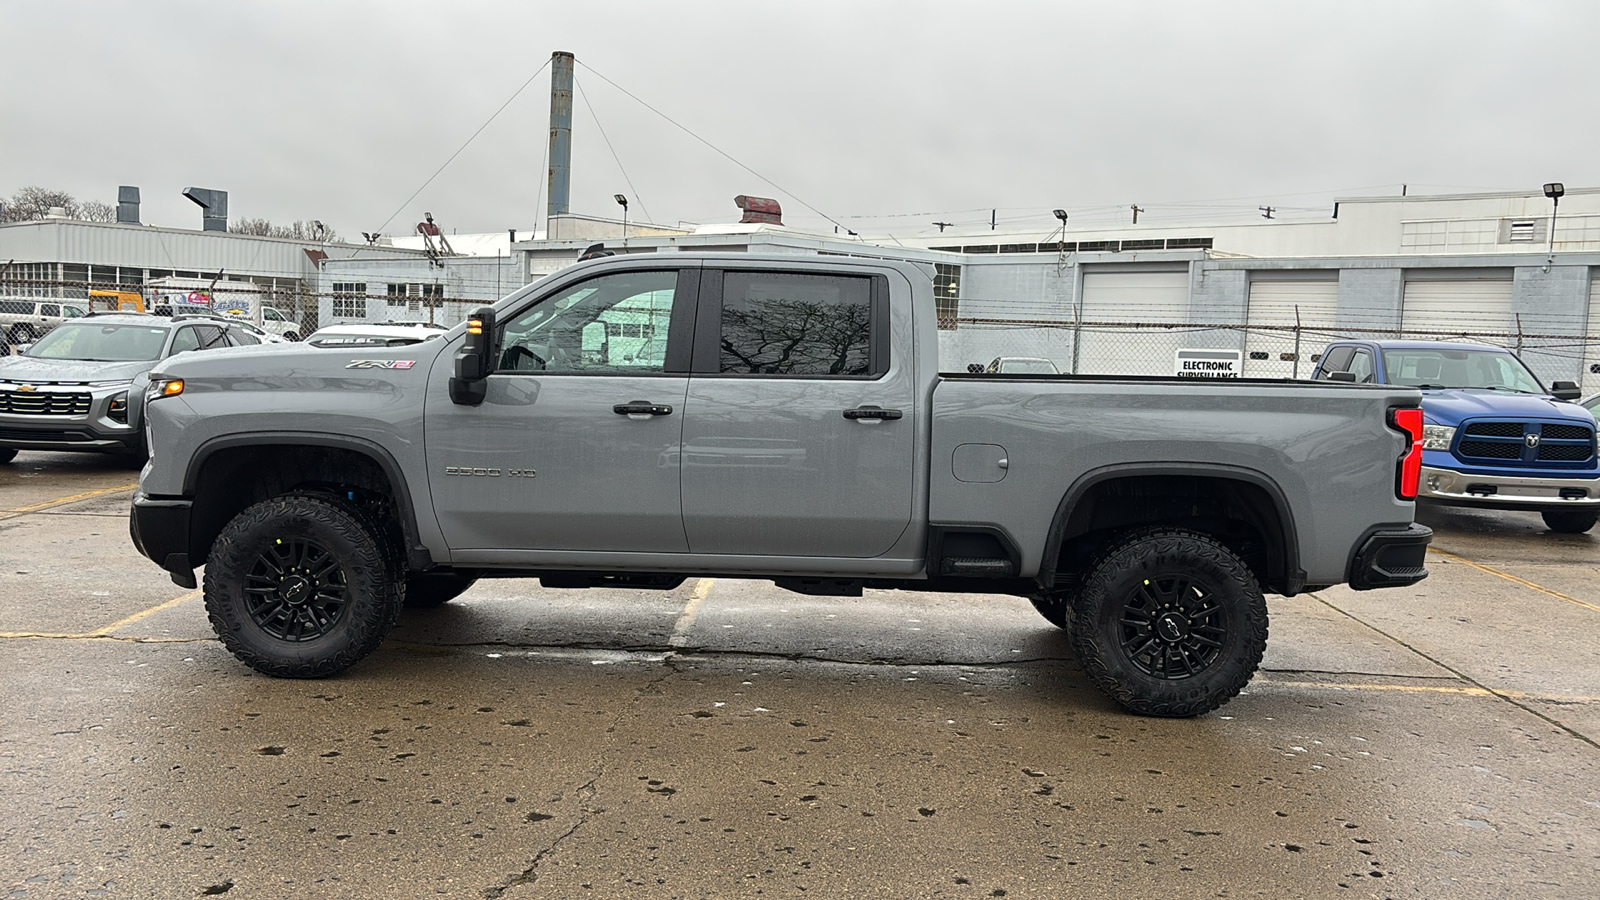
(780, 323)
(1361, 367)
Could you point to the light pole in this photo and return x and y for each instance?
(1554, 190)
(623, 201)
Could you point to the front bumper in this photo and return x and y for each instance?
(91, 429)
(160, 531)
(1507, 491)
(1391, 557)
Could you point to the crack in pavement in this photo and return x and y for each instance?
(667, 652)
(587, 791)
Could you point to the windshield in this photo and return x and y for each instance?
(1491, 370)
(101, 342)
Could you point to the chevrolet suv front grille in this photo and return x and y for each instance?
(45, 403)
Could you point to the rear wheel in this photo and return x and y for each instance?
(299, 587)
(426, 590)
(1570, 521)
(23, 333)
(1170, 623)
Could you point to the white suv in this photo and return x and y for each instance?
(24, 320)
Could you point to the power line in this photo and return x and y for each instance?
(453, 156)
(602, 130)
(714, 147)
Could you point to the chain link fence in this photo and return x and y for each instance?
(1265, 351)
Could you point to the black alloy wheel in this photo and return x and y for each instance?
(1170, 622)
(301, 586)
(1171, 628)
(296, 590)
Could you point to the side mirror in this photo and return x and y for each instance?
(475, 360)
(1346, 377)
(1565, 390)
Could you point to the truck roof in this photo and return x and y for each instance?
(1424, 345)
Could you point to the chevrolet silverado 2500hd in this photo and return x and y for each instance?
(637, 420)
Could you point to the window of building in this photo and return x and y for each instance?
(31, 280)
(947, 294)
(415, 295)
(792, 324)
(349, 299)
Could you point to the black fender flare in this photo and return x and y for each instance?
(418, 557)
(1294, 576)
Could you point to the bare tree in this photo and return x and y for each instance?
(300, 230)
(95, 211)
(35, 202)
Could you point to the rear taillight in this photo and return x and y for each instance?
(1408, 420)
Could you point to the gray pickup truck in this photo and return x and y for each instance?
(633, 421)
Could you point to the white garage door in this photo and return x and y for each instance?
(1446, 308)
(1591, 346)
(1147, 297)
(1274, 306)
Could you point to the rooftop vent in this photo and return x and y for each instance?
(759, 210)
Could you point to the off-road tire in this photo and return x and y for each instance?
(7, 454)
(427, 590)
(23, 333)
(1570, 521)
(1180, 593)
(334, 603)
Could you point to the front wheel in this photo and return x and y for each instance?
(298, 587)
(1570, 521)
(1170, 623)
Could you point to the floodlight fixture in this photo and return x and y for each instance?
(1555, 190)
(1060, 214)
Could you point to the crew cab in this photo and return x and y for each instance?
(637, 420)
(1493, 436)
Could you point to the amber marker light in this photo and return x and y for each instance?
(172, 388)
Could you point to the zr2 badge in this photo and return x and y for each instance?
(382, 364)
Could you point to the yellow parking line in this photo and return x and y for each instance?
(1467, 689)
(123, 623)
(680, 631)
(106, 631)
(64, 500)
(1509, 577)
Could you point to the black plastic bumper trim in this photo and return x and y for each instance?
(1391, 558)
(160, 531)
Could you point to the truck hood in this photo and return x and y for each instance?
(290, 361)
(43, 371)
(1451, 407)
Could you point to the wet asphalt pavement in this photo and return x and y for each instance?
(730, 739)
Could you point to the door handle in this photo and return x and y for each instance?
(872, 413)
(641, 408)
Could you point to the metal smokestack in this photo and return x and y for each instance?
(560, 132)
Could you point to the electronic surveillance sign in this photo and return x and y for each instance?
(1208, 363)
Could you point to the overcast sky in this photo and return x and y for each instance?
(883, 116)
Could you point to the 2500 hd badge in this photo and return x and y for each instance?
(489, 473)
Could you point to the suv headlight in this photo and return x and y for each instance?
(118, 410)
(1437, 437)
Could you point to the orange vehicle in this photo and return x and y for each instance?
(116, 301)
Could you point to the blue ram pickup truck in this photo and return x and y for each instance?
(1493, 436)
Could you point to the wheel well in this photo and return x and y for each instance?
(1242, 515)
(232, 479)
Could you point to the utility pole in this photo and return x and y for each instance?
(1136, 210)
(992, 220)
(943, 226)
(1267, 211)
